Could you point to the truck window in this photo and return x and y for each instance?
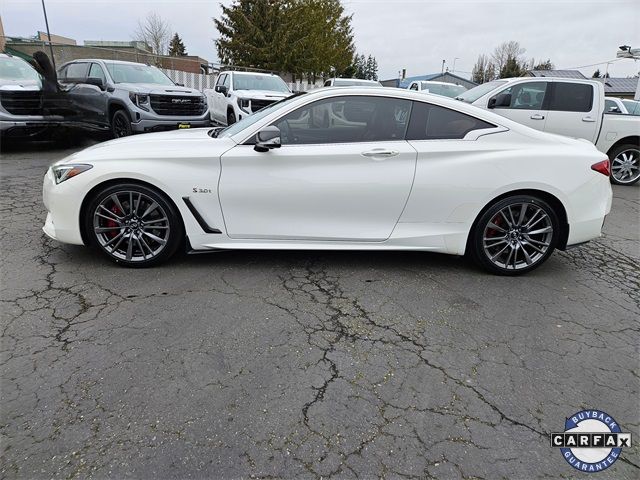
(527, 96)
(571, 97)
(414, 86)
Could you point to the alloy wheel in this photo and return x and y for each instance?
(625, 167)
(130, 225)
(518, 236)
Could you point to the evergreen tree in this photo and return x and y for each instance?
(311, 37)
(176, 47)
(543, 65)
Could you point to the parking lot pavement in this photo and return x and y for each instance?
(306, 364)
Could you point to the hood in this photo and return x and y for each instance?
(19, 85)
(154, 88)
(262, 94)
(178, 145)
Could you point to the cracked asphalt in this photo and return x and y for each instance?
(306, 364)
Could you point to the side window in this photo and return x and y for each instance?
(572, 97)
(432, 122)
(346, 119)
(96, 72)
(610, 106)
(76, 70)
(527, 96)
(220, 79)
(227, 81)
(414, 86)
(327, 83)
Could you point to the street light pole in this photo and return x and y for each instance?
(46, 22)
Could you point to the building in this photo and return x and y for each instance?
(131, 51)
(556, 73)
(139, 44)
(620, 87)
(55, 39)
(446, 77)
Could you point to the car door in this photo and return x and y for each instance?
(344, 181)
(219, 100)
(96, 98)
(73, 75)
(573, 111)
(528, 104)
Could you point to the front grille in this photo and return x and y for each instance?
(22, 103)
(178, 105)
(258, 104)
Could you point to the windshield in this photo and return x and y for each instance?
(260, 114)
(447, 90)
(137, 73)
(353, 82)
(243, 81)
(17, 69)
(632, 107)
(475, 93)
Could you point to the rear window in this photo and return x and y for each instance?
(432, 122)
(571, 97)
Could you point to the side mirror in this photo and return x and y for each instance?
(98, 82)
(267, 138)
(500, 100)
(221, 89)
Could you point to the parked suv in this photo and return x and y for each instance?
(128, 97)
(22, 109)
(239, 94)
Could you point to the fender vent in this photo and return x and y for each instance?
(203, 224)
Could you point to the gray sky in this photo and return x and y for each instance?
(412, 34)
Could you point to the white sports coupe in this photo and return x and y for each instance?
(337, 169)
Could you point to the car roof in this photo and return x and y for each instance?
(241, 72)
(123, 62)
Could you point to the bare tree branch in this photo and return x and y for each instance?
(155, 32)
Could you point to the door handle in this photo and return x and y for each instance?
(588, 119)
(380, 153)
(537, 116)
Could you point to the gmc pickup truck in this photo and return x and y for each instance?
(570, 107)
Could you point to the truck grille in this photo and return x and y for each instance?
(258, 104)
(178, 105)
(22, 103)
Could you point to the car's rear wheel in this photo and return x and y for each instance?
(625, 164)
(133, 225)
(120, 124)
(515, 235)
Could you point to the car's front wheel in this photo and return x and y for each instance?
(133, 225)
(231, 118)
(625, 164)
(514, 235)
(120, 124)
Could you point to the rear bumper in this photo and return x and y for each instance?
(595, 200)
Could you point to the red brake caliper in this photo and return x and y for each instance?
(113, 223)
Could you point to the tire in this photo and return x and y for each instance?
(133, 225)
(231, 118)
(514, 243)
(120, 124)
(625, 164)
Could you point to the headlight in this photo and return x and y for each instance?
(244, 103)
(67, 171)
(141, 100)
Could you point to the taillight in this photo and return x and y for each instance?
(602, 167)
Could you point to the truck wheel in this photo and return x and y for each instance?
(625, 164)
(231, 117)
(120, 124)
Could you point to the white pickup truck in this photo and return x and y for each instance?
(570, 107)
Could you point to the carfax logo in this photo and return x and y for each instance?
(592, 440)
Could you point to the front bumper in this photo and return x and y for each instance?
(62, 202)
(152, 125)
